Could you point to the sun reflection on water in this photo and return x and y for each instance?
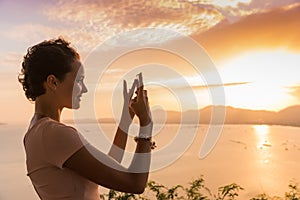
(263, 142)
(262, 133)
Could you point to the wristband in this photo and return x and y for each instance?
(152, 143)
(146, 131)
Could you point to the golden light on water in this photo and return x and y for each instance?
(262, 133)
(263, 142)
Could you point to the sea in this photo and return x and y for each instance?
(259, 158)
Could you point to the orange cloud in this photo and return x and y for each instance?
(278, 28)
(107, 18)
(10, 61)
(220, 85)
(87, 23)
(295, 92)
(82, 39)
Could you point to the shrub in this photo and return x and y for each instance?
(197, 190)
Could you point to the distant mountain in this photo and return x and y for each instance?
(89, 121)
(289, 116)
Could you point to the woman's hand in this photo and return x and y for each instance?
(140, 105)
(127, 112)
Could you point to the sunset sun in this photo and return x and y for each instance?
(264, 77)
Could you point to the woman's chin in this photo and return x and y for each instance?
(75, 105)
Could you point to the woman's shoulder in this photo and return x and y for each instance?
(52, 125)
(56, 131)
(47, 125)
(53, 122)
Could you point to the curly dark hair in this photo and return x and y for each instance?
(50, 57)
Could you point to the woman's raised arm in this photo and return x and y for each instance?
(119, 143)
(102, 169)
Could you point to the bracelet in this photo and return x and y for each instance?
(152, 143)
(146, 131)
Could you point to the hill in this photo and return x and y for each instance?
(288, 116)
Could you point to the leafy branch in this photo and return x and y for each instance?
(197, 190)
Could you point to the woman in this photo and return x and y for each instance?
(60, 163)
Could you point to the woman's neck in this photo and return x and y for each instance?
(44, 108)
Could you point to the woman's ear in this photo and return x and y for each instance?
(51, 82)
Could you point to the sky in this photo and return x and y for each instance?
(253, 46)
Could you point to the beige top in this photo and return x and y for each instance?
(48, 144)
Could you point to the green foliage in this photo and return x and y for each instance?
(229, 191)
(115, 195)
(261, 197)
(196, 190)
(294, 192)
(162, 192)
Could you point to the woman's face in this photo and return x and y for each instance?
(72, 87)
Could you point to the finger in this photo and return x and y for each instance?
(140, 89)
(132, 103)
(134, 85)
(140, 93)
(134, 100)
(124, 88)
(145, 92)
(141, 83)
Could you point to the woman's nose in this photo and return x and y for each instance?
(84, 88)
